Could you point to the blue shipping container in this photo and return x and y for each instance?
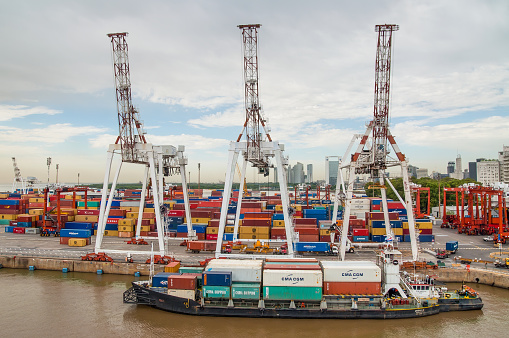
(312, 246)
(200, 229)
(228, 237)
(9, 228)
(426, 238)
(378, 238)
(361, 238)
(160, 280)
(9, 202)
(76, 233)
(182, 228)
(24, 224)
(79, 225)
(217, 278)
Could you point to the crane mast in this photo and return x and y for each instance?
(130, 127)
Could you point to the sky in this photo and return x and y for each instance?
(449, 86)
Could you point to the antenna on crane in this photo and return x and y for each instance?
(372, 154)
(159, 161)
(256, 150)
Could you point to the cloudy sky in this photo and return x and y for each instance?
(449, 91)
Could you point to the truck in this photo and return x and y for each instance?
(451, 247)
(316, 247)
(502, 263)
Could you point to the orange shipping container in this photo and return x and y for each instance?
(351, 288)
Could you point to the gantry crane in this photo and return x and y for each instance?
(258, 148)
(159, 161)
(372, 154)
(25, 183)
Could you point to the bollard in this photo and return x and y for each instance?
(137, 274)
(31, 268)
(99, 272)
(65, 270)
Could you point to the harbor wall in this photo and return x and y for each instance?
(472, 275)
(77, 265)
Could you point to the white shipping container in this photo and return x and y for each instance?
(311, 278)
(188, 294)
(351, 271)
(242, 270)
(361, 201)
(129, 203)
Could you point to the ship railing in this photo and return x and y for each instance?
(410, 290)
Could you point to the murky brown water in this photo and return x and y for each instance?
(48, 303)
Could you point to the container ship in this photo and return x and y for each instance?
(298, 288)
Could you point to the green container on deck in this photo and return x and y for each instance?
(319, 207)
(301, 293)
(92, 204)
(191, 269)
(216, 292)
(246, 290)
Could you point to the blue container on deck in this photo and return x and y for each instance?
(217, 278)
(108, 226)
(312, 246)
(75, 233)
(232, 209)
(200, 229)
(78, 225)
(160, 280)
(426, 238)
(115, 203)
(377, 224)
(182, 228)
(278, 217)
(228, 237)
(9, 228)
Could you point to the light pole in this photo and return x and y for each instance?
(57, 175)
(78, 178)
(198, 175)
(48, 162)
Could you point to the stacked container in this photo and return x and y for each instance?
(351, 278)
(246, 276)
(216, 284)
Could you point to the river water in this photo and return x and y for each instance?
(53, 304)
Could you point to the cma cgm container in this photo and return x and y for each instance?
(246, 271)
(350, 278)
(245, 291)
(285, 278)
(292, 293)
(217, 278)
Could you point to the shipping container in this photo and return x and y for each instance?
(351, 271)
(245, 290)
(297, 293)
(191, 269)
(186, 294)
(351, 288)
(183, 282)
(217, 278)
(218, 292)
(160, 280)
(247, 271)
(307, 278)
(172, 267)
(79, 233)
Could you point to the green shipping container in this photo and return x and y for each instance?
(246, 290)
(191, 269)
(292, 293)
(89, 203)
(5, 221)
(218, 292)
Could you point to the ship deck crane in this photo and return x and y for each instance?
(131, 144)
(258, 149)
(372, 153)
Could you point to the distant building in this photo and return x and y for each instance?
(503, 158)
(458, 171)
(298, 173)
(450, 167)
(309, 173)
(331, 169)
(420, 173)
(412, 170)
(472, 170)
(488, 172)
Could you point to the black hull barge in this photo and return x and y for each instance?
(331, 308)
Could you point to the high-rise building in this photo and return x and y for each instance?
(488, 172)
(309, 173)
(420, 173)
(331, 169)
(503, 158)
(458, 172)
(472, 170)
(412, 170)
(298, 173)
(290, 175)
(450, 167)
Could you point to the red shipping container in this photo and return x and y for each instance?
(13, 223)
(211, 237)
(112, 221)
(201, 236)
(117, 212)
(308, 238)
(325, 238)
(291, 260)
(246, 204)
(263, 215)
(351, 288)
(154, 234)
(197, 213)
(90, 212)
(406, 231)
(395, 205)
(176, 213)
(357, 222)
(294, 266)
(10, 211)
(361, 232)
(278, 231)
(278, 237)
(310, 221)
(144, 233)
(18, 230)
(214, 223)
(17, 207)
(425, 231)
(181, 234)
(182, 282)
(379, 216)
(256, 222)
(307, 231)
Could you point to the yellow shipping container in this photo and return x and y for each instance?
(397, 231)
(405, 225)
(68, 197)
(254, 230)
(212, 230)
(125, 234)
(36, 212)
(36, 200)
(86, 218)
(125, 228)
(324, 232)
(253, 236)
(278, 224)
(201, 220)
(153, 221)
(8, 216)
(424, 225)
(229, 229)
(279, 207)
(149, 210)
(378, 231)
(88, 208)
(172, 267)
(4, 196)
(145, 228)
(77, 242)
(131, 215)
(110, 233)
(126, 221)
